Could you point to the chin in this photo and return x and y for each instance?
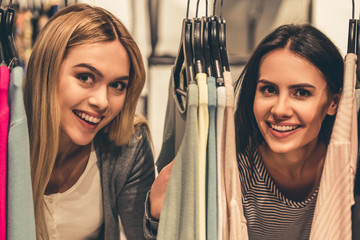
(82, 141)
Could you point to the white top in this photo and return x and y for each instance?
(77, 213)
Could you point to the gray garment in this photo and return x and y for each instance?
(20, 209)
(177, 214)
(127, 173)
(174, 127)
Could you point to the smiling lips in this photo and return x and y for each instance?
(93, 120)
(282, 130)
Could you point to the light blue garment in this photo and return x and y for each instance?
(211, 175)
(20, 210)
(177, 215)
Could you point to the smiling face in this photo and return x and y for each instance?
(291, 101)
(92, 89)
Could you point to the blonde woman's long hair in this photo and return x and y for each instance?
(73, 26)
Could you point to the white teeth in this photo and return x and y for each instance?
(96, 120)
(283, 128)
(89, 118)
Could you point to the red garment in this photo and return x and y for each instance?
(4, 125)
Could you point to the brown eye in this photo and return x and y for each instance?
(302, 93)
(268, 90)
(85, 78)
(119, 86)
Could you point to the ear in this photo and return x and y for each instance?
(334, 104)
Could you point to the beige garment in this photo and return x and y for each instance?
(332, 217)
(203, 136)
(234, 220)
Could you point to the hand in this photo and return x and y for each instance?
(158, 189)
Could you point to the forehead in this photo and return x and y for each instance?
(283, 66)
(108, 57)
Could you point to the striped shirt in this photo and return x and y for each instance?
(269, 214)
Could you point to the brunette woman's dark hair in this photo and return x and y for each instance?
(305, 41)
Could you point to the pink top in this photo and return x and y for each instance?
(4, 125)
(332, 217)
(234, 226)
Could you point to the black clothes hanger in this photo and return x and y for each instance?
(353, 42)
(197, 37)
(352, 36)
(2, 33)
(353, 32)
(205, 28)
(10, 51)
(184, 57)
(206, 46)
(222, 41)
(215, 49)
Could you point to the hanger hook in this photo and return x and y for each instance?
(214, 7)
(221, 8)
(197, 8)
(187, 9)
(10, 3)
(206, 8)
(353, 9)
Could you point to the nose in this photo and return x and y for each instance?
(99, 99)
(281, 108)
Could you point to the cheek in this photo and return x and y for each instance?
(260, 108)
(313, 112)
(117, 104)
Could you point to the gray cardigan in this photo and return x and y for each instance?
(127, 173)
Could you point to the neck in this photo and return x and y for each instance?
(297, 174)
(294, 161)
(70, 163)
(68, 150)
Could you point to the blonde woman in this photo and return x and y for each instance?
(91, 156)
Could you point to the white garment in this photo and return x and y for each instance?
(78, 212)
(220, 111)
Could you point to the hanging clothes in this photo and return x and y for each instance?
(177, 215)
(211, 175)
(336, 193)
(220, 110)
(201, 162)
(4, 119)
(236, 225)
(20, 210)
(355, 210)
(174, 127)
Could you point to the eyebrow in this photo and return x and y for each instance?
(97, 72)
(301, 85)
